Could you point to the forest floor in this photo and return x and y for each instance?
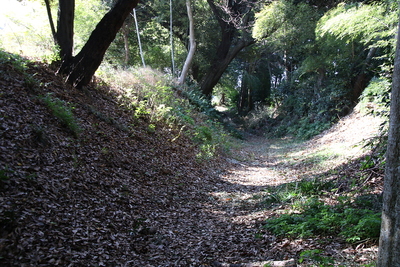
(118, 193)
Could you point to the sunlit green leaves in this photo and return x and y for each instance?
(367, 23)
(285, 24)
(87, 15)
(269, 20)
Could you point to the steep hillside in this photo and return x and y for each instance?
(81, 188)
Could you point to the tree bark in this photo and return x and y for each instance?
(219, 66)
(389, 242)
(81, 68)
(192, 48)
(50, 17)
(363, 78)
(226, 50)
(171, 38)
(138, 37)
(65, 28)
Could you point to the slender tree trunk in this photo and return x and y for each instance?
(65, 28)
(81, 68)
(51, 21)
(192, 48)
(138, 37)
(389, 242)
(171, 38)
(243, 96)
(125, 33)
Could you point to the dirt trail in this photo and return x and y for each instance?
(262, 164)
(265, 162)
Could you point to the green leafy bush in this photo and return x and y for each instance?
(152, 95)
(315, 256)
(319, 219)
(298, 191)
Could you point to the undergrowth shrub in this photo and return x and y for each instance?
(151, 94)
(354, 220)
(375, 100)
(296, 192)
(16, 61)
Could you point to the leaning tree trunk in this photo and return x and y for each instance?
(219, 66)
(361, 81)
(226, 50)
(192, 44)
(389, 242)
(81, 68)
(50, 17)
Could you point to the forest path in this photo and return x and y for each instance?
(261, 164)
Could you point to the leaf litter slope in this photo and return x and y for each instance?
(120, 195)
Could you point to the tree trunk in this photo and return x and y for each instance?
(389, 242)
(219, 66)
(138, 37)
(171, 38)
(361, 81)
(192, 48)
(81, 68)
(50, 17)
(125, 34)
(226, 51)
(65, 28)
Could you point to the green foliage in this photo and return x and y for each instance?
(319, 219)
(53, 55)
(316, 85)
(304, 129)
(20, 65)
(375, 98)
(63, 111)
(286, 26)
(296, 192)
(31, 83)
(367, 23)
(315, 256)
(151, 128)
(87, 14)
(16, 61)
(148, 94)
(25, 28)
